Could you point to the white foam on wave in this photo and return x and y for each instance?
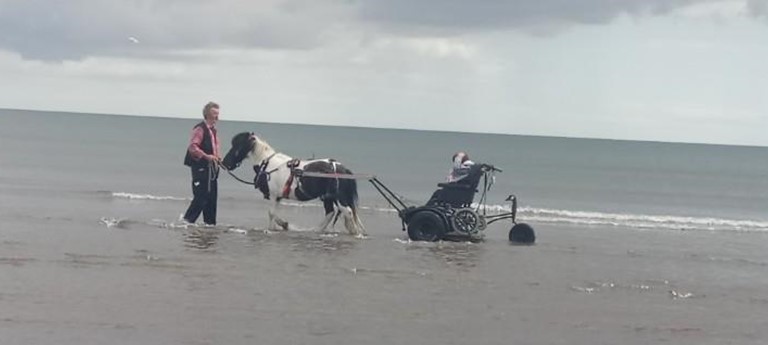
(301, 204)
(134, 196)
(641, 221)
(545, 215)
(111, 222)
(238, 230)
(638, 221)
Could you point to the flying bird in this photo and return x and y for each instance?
(133, 39)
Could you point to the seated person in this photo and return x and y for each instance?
(460, 168)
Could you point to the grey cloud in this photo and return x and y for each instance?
(465, 15)
(759, 8)
(72, 29)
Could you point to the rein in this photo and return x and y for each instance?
(239, 179)
(263, 164)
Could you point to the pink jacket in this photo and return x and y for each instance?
(197, 139)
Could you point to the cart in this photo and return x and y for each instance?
(450, 213)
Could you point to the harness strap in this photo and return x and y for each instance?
(260, 181)
(335, 166)
(333, 189)
(291, 164)
(263, 176)
(287, 187)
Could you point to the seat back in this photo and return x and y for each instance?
(459, 193)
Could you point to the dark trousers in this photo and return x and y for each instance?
(205, 191)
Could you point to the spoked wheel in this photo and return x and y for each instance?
(466, 220)
(426, 226)
(522, 233)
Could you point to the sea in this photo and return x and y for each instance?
(637, 242)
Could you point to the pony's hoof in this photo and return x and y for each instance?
(282, 224)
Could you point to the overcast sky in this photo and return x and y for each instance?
(666, 70)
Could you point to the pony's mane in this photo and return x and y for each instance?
(262, 146)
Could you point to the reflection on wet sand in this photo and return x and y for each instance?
(458, 254)
(321, 243)
(201, 238)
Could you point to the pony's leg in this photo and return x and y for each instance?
(330, 212)
(349, 221)
(357, 220)
(347, 191)
(271, 214)
(274, 219)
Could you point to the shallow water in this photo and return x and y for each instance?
(92, 252)
(149, 280)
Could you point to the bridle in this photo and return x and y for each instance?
(235, 167)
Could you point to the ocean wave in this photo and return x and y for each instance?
(636, 221)
(134, 196)
(111, 222)
(639, 221)
(556, 216)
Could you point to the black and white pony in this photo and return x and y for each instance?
(277, 179)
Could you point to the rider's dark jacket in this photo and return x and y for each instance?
(206, 145)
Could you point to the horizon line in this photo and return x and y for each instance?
(395, 128)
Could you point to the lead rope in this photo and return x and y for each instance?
(213, 172)
(239, 179)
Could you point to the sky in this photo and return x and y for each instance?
(657, 70)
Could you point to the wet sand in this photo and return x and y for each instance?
(72, 279)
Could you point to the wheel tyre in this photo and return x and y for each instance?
(426, 226)
(522, 233)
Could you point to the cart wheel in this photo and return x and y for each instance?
(426, 226)
(522, 233)
(466, 220)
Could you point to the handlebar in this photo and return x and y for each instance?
(490, 167)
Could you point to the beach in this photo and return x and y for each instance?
(148, 282)
(92, 252)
